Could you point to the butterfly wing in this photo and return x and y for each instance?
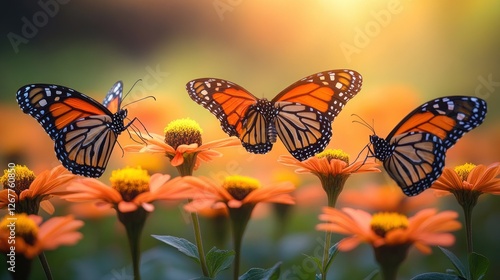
(415, 150)
(81, 128)
(84, 147)
(236, 110)
(55, 107)
(113, 99)
(448, 117)
(416, 162)
(307, 108)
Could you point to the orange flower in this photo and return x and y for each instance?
(467, 182)
(386, 198)
(32, 237)
(426, 228)
(323, 165)
(239, 195)
(469, 178)
(183, 146)
(332, 168)
(235, 192)
(31, 192)
(131, 188)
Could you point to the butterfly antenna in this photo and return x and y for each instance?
(130, 90)
(149, 96)
(365, 123)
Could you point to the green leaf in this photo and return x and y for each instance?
(436, 276)
(455, 261)
(272, 273)
(478, 265)
(218, 260)
(181, 244)
(332, 252)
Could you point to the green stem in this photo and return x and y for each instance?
(45, 266)
(390, 258)
(467, 199)
(239, 221)
(134, 223)
(326, 249)
(186, 169)
(333, 186)
(199, 243)
(468, 229)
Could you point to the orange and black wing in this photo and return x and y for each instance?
(416, 161)
(307, 108)
(448, 117)
(414, 153)
(55, 107)
(113, 99)
(84, 146)
(84, 131)
(232, 105)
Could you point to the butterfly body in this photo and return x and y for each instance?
(300, 115)
(414, 152)
(83, 130)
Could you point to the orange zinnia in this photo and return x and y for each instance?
(390, 234)
(235, 192)
(469, 178)
(182, 144)
(332, 168)
(427, 227)
(31, 192)
(239, 195)
(131, 193)
(131, 188)
(467, 182)
(33, 237)
(333, 162)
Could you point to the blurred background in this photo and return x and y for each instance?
(407, 51)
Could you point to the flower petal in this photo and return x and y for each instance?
(59, 231)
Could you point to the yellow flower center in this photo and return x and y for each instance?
(240, 186)
(334, 154)
(384, 222)
(183, 131)
(464, 170)
(130, 182)
(17, 178)
(21, 225)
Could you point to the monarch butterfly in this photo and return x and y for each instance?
(414, 152)
(301, 114)
(84, 131)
